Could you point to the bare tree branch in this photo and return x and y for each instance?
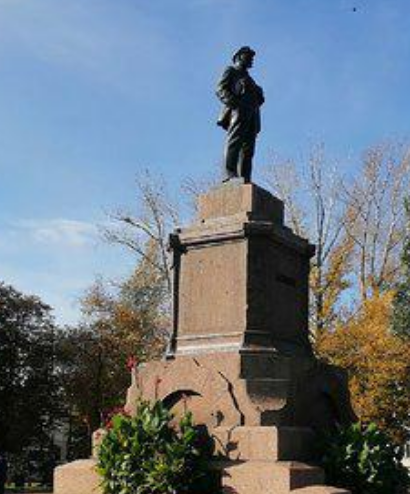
(157, 216)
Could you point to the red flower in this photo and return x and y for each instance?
(132, 362)
(107, 416)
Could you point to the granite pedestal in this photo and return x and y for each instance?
(240, 356)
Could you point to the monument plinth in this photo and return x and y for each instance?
(242, 277)
(240, 349)
(240, 357)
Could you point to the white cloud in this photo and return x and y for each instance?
(57, 259)
(70, 233)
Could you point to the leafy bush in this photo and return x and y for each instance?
(362, 459)
(145, 454)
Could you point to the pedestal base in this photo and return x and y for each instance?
(240, 358)
(257, 461)
(247, 389)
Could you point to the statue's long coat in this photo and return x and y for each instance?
(241, 97)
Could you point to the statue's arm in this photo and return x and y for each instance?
(261, 97)
(224, 89)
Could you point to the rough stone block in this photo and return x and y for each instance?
(78, 477)
(257, 477)
(320, 489)
(96, 440)
(241, 276)
(265, 443)
(212, 298)
(221, 392)
(236, 198)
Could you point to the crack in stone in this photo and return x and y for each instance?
(233, 397)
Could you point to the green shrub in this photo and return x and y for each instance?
(145, 454)
(361, 458)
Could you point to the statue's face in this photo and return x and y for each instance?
(245, 60)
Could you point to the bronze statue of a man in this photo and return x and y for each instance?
(240, 117)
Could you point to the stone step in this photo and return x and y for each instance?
(258, 477)
(248, 477)
(266, 443)
(320, 489)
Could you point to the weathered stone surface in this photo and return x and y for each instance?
(209, 386)
(223, 390)
(257, 477)
(265, 443)
(199, 385)
(320, 489)
(97, 439)
(212, 313)
(242, 276)
(78, 477)
(247, 200)
(240, 358)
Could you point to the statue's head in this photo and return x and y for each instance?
(244, 57)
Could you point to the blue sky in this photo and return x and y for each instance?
(93, 91)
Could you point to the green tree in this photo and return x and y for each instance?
(29, 404)
(121, 323)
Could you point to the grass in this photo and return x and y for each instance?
(30, 489)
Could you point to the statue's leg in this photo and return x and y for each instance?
(233, 149)
(247, 152)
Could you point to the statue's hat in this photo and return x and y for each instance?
(243, 49)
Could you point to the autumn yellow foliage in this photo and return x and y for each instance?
(378, 363)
